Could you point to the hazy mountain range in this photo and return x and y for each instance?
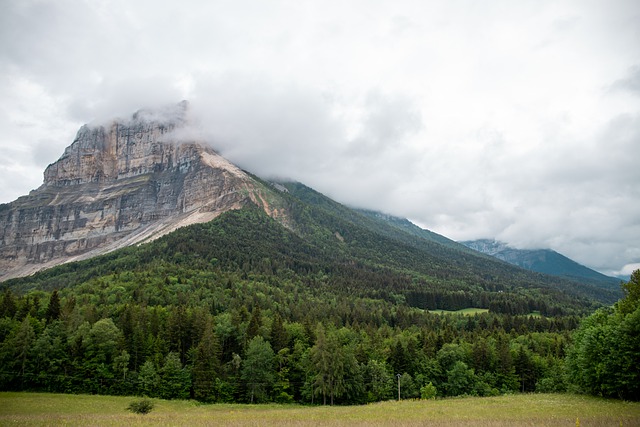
(543, 261)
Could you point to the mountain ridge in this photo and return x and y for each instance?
(545, 261)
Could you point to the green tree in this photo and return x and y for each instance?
(282, 385)
(379, 380)
(525, 369)
(255, 323)
(20, 348)
(460, 379)
(398, 359)
(52, 361)
(175, 380)
(103, 341)
(451, 353)
(258, 369)
(148, 380)
(631, 290)
(408, 389)
(605, 355)
(53, 309)
(279, 338)
(8, 308)
(332, 362)
(97, 349)
(206, 366)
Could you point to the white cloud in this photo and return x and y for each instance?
(514, 120)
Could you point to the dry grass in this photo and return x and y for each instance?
(34, 409)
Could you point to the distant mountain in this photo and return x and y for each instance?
(544, 261)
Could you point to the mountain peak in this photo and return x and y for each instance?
(119, 184)
(121, 149)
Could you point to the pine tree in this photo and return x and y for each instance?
(22, 344)
(8, 307)
(206, 365)
(53, 309)
(279, 339)
(330, 362)
(175, 381)
(254, 323)
(148, 380)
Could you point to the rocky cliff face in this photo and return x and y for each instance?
(117, 185)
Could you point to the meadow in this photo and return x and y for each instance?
(465, 311)
(44, 409)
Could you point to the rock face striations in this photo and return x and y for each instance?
(117, 185)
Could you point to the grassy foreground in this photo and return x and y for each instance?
(39, 409)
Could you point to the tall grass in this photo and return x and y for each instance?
(34, 409)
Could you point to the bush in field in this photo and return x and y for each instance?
(428, 391)
(142, 406)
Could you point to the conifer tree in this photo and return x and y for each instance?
(254, 323)
(175, 381)
(206, 365)
(53, 309)
(279, 337)
(8, 307)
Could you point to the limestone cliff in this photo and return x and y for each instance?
(117, 185)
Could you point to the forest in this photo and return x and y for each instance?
(242, 309)
(250, 341)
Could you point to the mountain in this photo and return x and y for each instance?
(544, 261)
(143, 180)
(120, 184)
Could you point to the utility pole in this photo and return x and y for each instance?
(398, 375)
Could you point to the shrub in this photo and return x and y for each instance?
(142, 406)
(428, 391)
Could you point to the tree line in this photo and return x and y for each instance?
(250, 353)
(258, 350)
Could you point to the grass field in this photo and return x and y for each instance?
(465, 311)
(41, 409)
(472, 311)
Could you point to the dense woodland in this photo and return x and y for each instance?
(327, 311)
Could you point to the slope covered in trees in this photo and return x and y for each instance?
(327, 310)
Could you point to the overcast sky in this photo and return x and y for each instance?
(514, 120)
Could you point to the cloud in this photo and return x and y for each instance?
(120, 98)
(516, 121)
(625, 271)
(630, 83)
